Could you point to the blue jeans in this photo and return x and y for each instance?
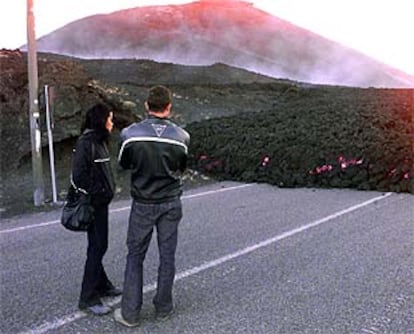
(142, 220)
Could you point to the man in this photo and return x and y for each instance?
(155, 150)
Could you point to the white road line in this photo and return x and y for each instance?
(53, 222)
(47, 326)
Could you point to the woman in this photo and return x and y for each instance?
(91, 171)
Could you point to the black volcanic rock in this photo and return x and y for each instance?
(237, 120)
(229, 32)
(122, 84)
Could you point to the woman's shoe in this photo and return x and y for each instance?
(96, 309)
(112, 292)
(99, 309)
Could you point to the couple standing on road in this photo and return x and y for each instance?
(155, 151)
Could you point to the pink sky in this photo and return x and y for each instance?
(381, 29)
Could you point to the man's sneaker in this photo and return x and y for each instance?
(120, 319)
(98, 309)
(163, 316)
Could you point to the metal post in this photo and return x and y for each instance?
(50, 125)
(35, 134)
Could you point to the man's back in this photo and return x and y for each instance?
(155, 150)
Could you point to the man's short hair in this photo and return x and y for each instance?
(159, 97)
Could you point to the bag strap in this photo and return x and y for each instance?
(83, 191)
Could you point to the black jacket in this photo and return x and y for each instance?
(91, 167)
(155, 150)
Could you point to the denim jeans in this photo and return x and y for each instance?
(165, 217)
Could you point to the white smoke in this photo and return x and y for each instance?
(288, 53)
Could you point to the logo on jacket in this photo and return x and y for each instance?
(159, 129)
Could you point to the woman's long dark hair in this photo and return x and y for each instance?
(95, 119)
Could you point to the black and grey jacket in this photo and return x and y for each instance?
(91, 167)
(155, 150)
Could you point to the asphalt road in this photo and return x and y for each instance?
(251, 259)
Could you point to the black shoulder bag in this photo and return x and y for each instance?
(78, 212)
